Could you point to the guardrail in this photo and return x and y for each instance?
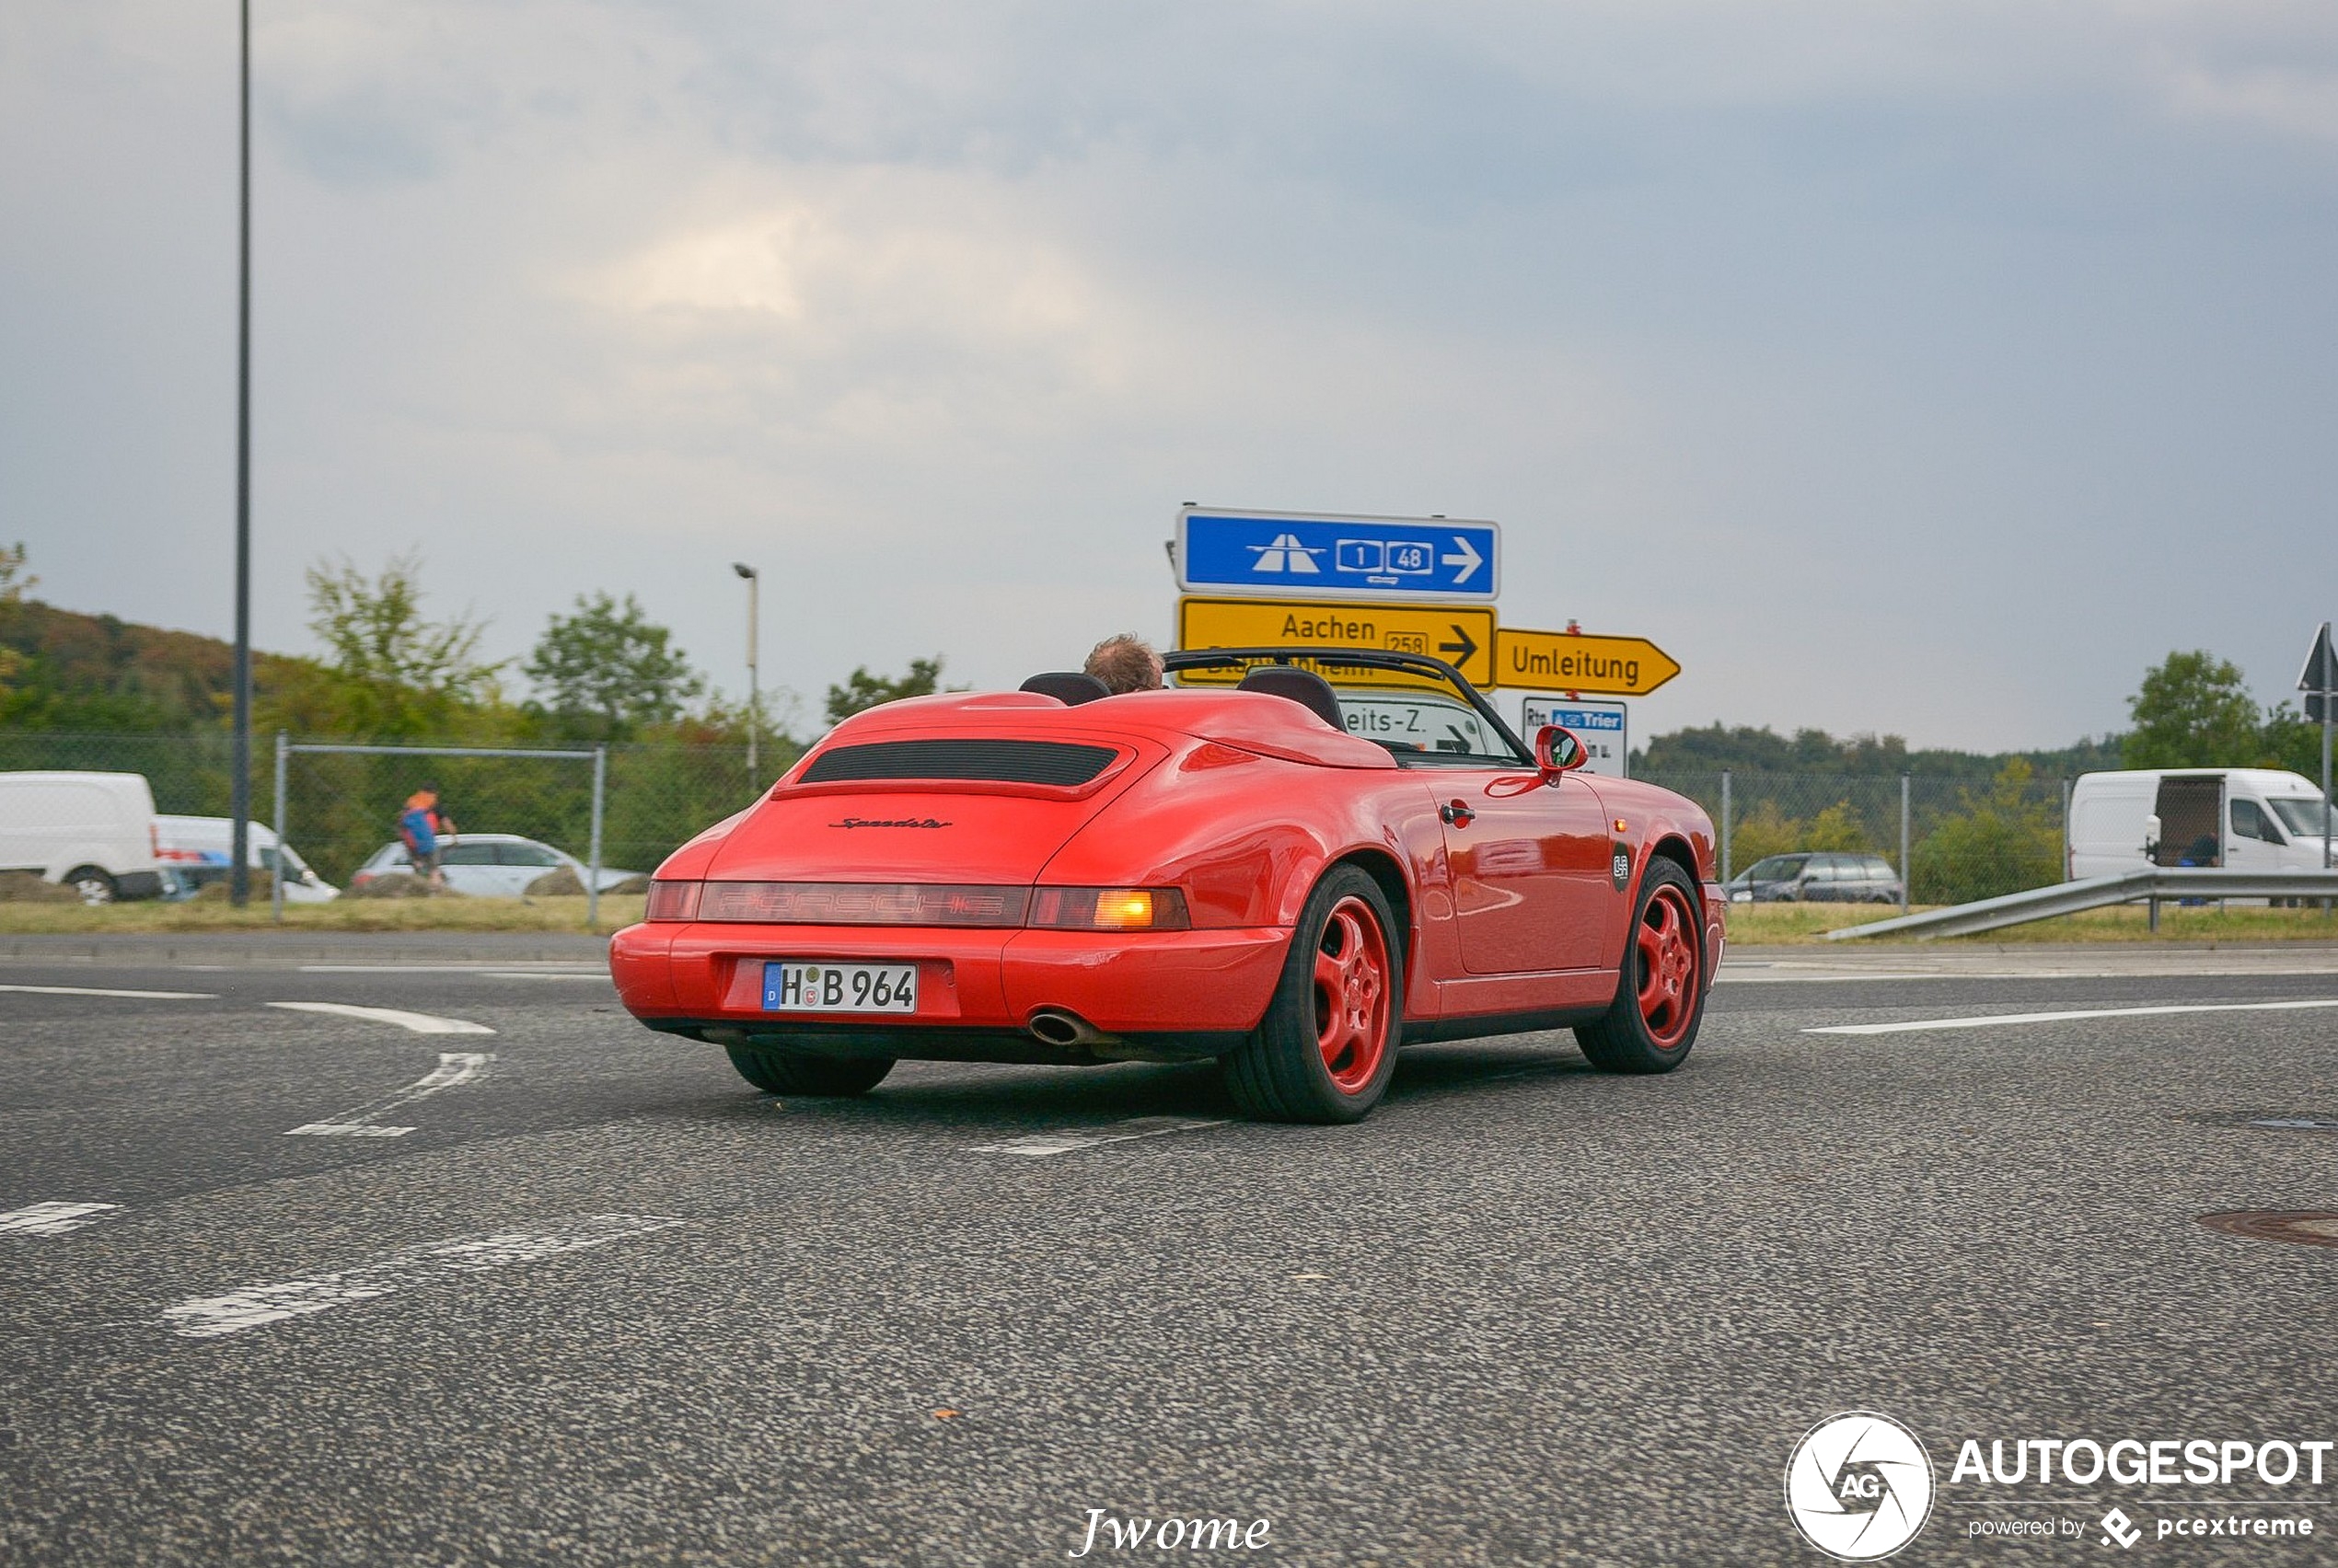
(2151, 882)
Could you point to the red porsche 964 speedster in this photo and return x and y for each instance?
(1291, 862)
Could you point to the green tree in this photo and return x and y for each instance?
(15, 581)
(390, 672)
(2002, 842)
(607, 672)
(2194, 710)
(863, 690)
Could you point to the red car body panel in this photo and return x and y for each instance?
(1512, 916)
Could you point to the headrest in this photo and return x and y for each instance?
(1070, 687)
(1304, 687)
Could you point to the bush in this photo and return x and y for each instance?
(2002, 842)
(396, 884)
(561, 884)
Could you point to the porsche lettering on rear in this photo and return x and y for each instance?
(1243, 870)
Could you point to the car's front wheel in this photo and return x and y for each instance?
(1327, 1045)
(1660, 998)
(799, 1072)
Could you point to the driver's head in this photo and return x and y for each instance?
(1126, 663)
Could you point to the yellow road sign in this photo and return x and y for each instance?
(1463, 636)
(1562, 661)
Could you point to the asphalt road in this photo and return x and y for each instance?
(603, 1303)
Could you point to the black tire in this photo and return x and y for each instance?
(1638, 1036)
(1281, 1073)
(93, 884)
(798, 1072)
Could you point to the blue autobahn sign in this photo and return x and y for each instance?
(1311, 555)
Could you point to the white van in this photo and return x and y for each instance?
(2253, 819)
(199, 849)
(93, 832)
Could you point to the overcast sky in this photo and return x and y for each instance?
(1926, 368)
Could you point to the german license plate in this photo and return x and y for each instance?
(790, 986)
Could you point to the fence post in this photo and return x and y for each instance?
(2066, 830)
(1725, 825)
(277, 888)
(600, 788)
(1906, 870)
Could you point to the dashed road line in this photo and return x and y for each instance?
(1988, 1021)
(1072, 1140)
(421, 1023)
(454, 1067)
(52, 1218)
(103, 991)
(410, 1268)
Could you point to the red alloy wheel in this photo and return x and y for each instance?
(1668, 966)
(1352, 995)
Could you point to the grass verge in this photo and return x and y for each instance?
(341, 915)
(1790, 923)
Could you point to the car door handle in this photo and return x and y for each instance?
(1456, 812)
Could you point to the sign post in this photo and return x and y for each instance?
(2319, 680)
(1568, 661)
(1319, 556)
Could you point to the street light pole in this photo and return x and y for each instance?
(239, 750)
(754, 677)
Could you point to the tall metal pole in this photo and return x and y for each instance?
(1904, 869)
(239, 752)
(754, 675)
(276, 893)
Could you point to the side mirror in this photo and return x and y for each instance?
(1556, 752)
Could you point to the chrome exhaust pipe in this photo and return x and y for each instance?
(1059, 1026)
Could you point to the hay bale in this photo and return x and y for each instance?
(394, 884)
(561, 883)
(26, 887)
(630, 885)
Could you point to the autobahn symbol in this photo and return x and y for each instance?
(1385, 558)
(1563, 660)
(1462, 635)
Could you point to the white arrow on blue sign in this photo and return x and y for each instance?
(1314, 555)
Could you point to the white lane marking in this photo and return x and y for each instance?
(421, 1023)
(454, 1067)
(600, 974)
(101, 991)
(50, 1219)
(1986, 1021)
(410, 1268)
(549, 966)
(1072, 1140)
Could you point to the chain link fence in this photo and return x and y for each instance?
(1966, 838)
(344, 808)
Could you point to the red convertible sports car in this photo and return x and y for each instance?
(1288, 874)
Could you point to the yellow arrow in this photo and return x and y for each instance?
(1562, 661)
(1460, 635)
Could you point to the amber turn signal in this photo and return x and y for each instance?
(1110, 908)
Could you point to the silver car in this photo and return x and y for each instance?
(1817, 877)
(487, 865)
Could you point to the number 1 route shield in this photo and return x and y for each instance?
(1309, 555)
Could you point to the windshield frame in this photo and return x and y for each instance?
(1325, 661)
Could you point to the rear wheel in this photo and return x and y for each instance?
(1660, 999)
(93, 884)
(797, 1072)
(1327, 1045)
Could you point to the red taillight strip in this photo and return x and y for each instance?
(864, 904)
(919, 903)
